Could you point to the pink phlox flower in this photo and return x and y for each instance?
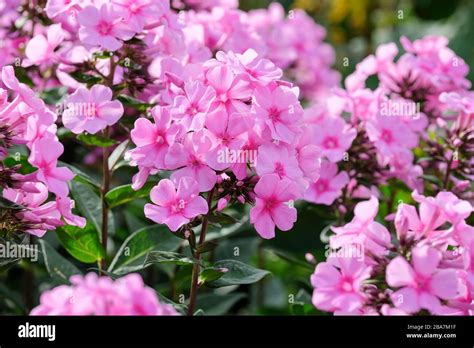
(44, 155)
(91, 110)
(390, 135)
(40, 50)
(334, 137)
(40, 125)
(258, 70)
(192, 107)
(403, 168)
(40, 215)
(188, 159)
(104, 27)
(232, 91)
(279, 110)
(271, 207)
(280, 160)
(363, 230)
(309, 156)
(434, 59)
(24, 93)
(421, 284)
(152, 139)
(94, 295)
(329, 185)
(339, 283)
(57, 7)
(138, 13)
(173, 206)
(226, 131)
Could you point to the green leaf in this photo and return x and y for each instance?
(213, 304)
(238, 273)
(246, 248)
(95, 140)
(58, 267)
(16, 159)
(117, 154)
(19, 241)
(168, 257)
(222, 219)
(133, 103)
(83, 244)
(210, 274)
(124, 194)
(132, 254)
(90, 205)
(85, 78)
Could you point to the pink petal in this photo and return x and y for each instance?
(284, 217)
(325, 275)
(101, 93)
(266, 185)
(425, 260)
(263, 223)
(367, 210)
(197, 206)
(155, 213)
(445, 285)
(143, 132)
(111, 112)
(164, 193)
(399, 273)
(174, 222)
(89, 16)
(406, 299)
(187, 188)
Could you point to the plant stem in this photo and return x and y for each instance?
(448, 173)
(106, 177)
(197, 255)
(105, 207)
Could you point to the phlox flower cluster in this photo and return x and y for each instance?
(232, 127)
(94, 295)
(423, 266)
(27, 123)
(294, 42)
(371, 134)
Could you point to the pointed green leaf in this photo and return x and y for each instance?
(58, 267)
(132, 254)
(124, 194)
(168, 257)
(83, 244)
(95, 140)
(238, 273)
